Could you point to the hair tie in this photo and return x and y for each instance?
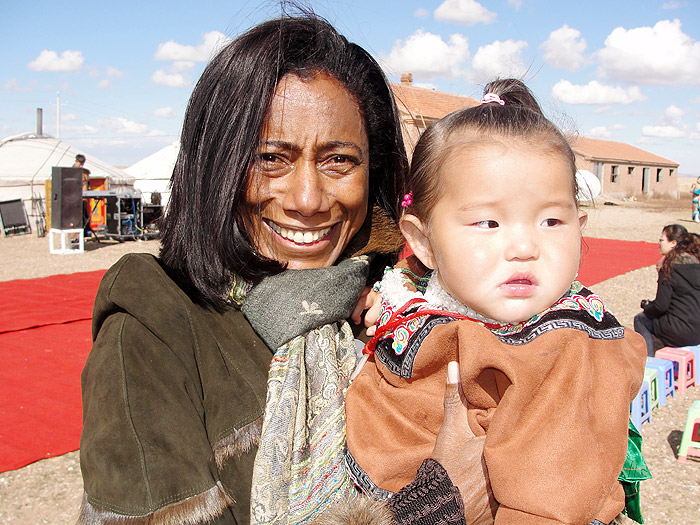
(492, 97)
(407, 200)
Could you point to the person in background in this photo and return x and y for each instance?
(673, 317)
(695, 191)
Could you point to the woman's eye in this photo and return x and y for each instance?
(340, 163)
(271, 163)
(486, 224)
(551, 222)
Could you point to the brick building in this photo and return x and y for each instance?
(626, 170)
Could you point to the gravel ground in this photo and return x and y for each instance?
(49, 490)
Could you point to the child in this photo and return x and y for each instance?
(695, 191)
(547, 371)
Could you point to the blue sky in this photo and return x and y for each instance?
(624, 70)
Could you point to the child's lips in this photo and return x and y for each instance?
(520, 286)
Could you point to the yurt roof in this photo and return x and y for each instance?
(28, 158)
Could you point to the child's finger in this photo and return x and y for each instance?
(361, 306)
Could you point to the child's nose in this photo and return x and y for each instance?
(522, 245)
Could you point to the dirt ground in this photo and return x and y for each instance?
(49, 491)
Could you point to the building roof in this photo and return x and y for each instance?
(611, 151)
(428, 103)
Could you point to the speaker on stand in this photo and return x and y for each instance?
(66, 198)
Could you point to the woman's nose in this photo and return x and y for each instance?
(307, 192)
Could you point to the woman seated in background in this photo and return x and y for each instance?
(674, 316)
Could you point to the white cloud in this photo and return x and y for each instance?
(673, 116)
(499, 59)
(421, 13)
(517, 4)
(122, 125)
(50, 61)
(13, 86)
(565, 48)
(595, 93)
(162, 78)
(113, 72)
(425, 85)
(79, 130)
(604, 131)
(671, 5)
(466, 12)
(156, 133)
(662, 54)
(666, 132)
(68, 117)
(212, 43)
(166, 112)
(104, 84)
(427, 56)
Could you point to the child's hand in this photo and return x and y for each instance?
(372, 302)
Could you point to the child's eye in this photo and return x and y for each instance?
(551, 222)
(486, 224)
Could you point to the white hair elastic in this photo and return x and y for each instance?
(492, 97)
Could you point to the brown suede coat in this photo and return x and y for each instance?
(555, 412)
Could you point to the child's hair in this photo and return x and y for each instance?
(686, 243)
(519, 115)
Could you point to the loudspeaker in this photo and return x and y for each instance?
(66, 198)
(13, 217)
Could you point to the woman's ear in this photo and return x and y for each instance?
(416, 233)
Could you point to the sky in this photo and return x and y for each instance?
(113, 78)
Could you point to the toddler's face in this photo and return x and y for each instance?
(505, 235)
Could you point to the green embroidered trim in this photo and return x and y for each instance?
(239, 290)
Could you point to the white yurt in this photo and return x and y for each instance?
(26, 161)
(153, 173)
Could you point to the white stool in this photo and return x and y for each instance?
(66, 242)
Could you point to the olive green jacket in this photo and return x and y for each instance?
(173, 398)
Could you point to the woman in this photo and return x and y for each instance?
(291, 159)
(674, 316)
(695, 192)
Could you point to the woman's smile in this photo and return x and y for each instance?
(299, 236)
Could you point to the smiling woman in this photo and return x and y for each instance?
(215, 388)
(308, 191)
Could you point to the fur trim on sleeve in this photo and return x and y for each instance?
(238, 442)
(196, 510)
(364, 511)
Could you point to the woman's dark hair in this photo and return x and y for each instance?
(203, 237)
(686, 243)
(519, 116)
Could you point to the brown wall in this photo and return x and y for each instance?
(630, 184)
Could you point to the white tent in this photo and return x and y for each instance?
(26, 161)
(589, 185)
(153, 172)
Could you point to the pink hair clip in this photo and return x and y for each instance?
(407, 200)
(492, 97)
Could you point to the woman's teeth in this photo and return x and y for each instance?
(298, 236)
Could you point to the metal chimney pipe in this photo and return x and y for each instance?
(39, 122)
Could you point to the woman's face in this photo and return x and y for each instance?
(307, 193)
(665, 245)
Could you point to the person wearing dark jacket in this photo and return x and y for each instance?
(673, 317)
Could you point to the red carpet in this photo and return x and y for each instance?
(28, 303)
(45, 339)
(602, 259)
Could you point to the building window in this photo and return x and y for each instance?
(658, 174)
(630, 170)
(615, 173)
(670, 172)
